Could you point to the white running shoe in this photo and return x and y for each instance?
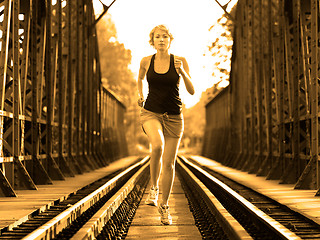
(152, 198)
(166, 218)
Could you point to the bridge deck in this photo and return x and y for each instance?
(302, 201)
(17, 209)
(146, 223)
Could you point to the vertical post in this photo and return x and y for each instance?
(245, 125)
(267, 67)
(40, 175)
(52, 167)
(89, 80)
(4, 57)
(243, 37)
(5, 184)
(279, 68)
(258, 82)
(61, 88)
(315, 89)
(84, 105)
(4, 54)
(252, 83)
(16, 80)
(269, 87)
(22, 178)
(281, 86)
(239, 100)
(63, 164)
(296, 81)
(78, 84)
(86, 84)
(70, 89)
(48, 81)
(98, 102)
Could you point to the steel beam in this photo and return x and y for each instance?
(279, 67)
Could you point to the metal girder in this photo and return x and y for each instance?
(258, 86)
(268, 82)
(275, 83)
(51, 124)
(224, 8)
(278, 51)
(311, 175)
(50, 63)
(291, 171)
(76, 163)
(12, 124)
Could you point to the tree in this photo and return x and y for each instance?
(194, 127)
(221, 50)
(114, 62)
(116, 75)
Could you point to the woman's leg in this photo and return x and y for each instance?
(153, 129)
(168, 166)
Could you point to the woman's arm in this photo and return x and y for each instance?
(141, 76)
(182, 66)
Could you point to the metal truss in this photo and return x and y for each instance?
(55, 116)
(269, 114)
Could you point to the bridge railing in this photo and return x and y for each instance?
(267, 121)
(56, 119)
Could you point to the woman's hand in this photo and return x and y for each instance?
(140, 102)
(182, 69)
(178, 65)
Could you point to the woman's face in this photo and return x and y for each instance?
(161, 40)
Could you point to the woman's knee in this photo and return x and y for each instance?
(157, 147)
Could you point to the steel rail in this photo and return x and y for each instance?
(53, 227)
(95, 225)
(278, 228)
(232, 227)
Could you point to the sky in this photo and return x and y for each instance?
(187, 20)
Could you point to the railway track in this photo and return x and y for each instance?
(65, 218)
(105, 209)
(301, 226)
(254, 224)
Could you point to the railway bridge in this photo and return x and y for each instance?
(60, 130)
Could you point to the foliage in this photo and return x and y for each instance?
(221, 48)
(114, 62)
(116, 75)
(219, 52)
(194, 127)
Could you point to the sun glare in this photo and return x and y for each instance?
(189, 22)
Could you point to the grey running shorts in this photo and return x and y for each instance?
(172, 125)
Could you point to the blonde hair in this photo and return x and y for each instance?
(160, 27)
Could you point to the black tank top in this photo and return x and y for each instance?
(163, 93)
